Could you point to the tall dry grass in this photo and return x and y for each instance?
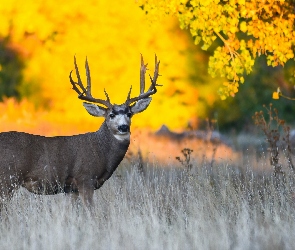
(160, 208)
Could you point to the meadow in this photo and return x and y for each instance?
(218, 206)
(225, 196)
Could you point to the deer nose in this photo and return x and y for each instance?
(124, 128)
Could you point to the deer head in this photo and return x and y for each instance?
(117, 117)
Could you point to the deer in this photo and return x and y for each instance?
(77, 164)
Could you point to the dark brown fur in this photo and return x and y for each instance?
(51, 165)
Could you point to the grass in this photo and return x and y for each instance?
(163, 208)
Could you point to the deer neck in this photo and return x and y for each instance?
(115, 142)
(110, 149)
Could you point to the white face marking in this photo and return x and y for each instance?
(119, 120)
(122, 137)
(122, 120)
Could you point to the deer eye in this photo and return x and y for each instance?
(129, 114)
(112, 115)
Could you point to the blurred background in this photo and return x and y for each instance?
(38, 41)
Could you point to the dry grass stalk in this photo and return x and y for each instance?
(272, 129)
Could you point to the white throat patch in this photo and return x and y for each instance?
(122, 137)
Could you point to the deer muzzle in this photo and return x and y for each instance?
(124, 128)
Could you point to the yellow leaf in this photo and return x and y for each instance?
(233, 29)
(275, 95)
(223, 97)
(243, 26)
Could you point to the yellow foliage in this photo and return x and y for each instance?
(23, 116)
(275, 95)
(243, 26)
(48, 34)
(269, 26)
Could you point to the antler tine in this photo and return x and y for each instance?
(79, 83)
(129, 93)
(143, 68)
(156, 74)
(85, 94)
(107, 96)
(88, 89)
(152, 89)
(78, 75)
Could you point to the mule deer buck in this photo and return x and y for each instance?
(74, 164)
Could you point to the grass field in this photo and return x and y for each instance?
(163, 208)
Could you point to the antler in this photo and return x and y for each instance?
(152, 89)
(85, 93)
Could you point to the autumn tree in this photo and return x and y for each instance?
(247, 30)
(45, 39)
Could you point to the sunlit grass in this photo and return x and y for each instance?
(164, 208)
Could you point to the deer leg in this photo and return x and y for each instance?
(71, 189)
(73, 201)
(100, 181)
(74, 197)
(86, 191)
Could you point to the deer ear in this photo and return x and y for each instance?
(94, 109)
(141, 105)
